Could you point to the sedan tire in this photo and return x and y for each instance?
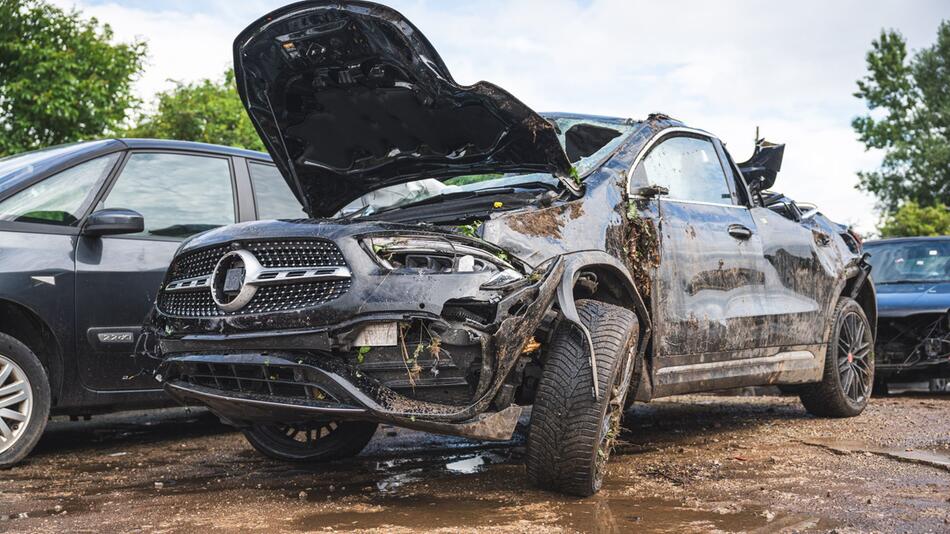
(24, 400)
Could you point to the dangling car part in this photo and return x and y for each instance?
(467, 257)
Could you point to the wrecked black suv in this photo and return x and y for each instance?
(468, 257)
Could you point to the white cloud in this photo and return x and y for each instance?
(726, 67)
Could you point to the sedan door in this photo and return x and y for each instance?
(709, 292)
(178, 194)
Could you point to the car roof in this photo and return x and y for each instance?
(166, 144)
(891, 240)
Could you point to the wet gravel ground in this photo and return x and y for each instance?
(687, 464)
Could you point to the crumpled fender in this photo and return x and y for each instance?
(574, 264)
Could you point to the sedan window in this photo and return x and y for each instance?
(61, 199)
(689, 168)
(272, 195)
(895, 262)
(178, 195)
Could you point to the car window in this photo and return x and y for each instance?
(178, 195)
(909, 261)
(689, 167)
(272, 195)
(61, 199)
(19, 167)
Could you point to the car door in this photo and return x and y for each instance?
(799, 278)
(709, 290)
(38, 232)
(178, 194)
(800, 269)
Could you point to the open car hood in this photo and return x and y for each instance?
(350, 97)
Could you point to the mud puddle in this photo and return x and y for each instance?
(596, 514)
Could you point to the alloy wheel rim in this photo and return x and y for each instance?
(16, 403)
(610, 426)
(854, 358)
(309, 435)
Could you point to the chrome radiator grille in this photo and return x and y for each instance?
(296, 274)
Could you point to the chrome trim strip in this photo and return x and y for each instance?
(306, 274)
(791, 356)
(197, 282)
(283, 275)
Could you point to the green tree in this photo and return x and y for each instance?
(209, 111)
(62, 79)
(910, 121)
(913, 220)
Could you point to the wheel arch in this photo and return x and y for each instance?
(614, 285)
(860, 288)
(27, 327)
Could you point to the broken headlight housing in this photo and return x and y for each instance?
(435, 255)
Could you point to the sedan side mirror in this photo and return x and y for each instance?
(113, 221)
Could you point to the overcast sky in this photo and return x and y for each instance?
(726, 67)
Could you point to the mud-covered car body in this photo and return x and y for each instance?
(913, 280)
(435, 314)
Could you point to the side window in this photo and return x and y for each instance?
(272, 195)
(61, 199)
(689, 167)
(178, 195)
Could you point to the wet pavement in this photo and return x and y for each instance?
(686, 464)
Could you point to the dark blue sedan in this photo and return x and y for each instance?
(912, 276)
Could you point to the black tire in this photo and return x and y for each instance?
(571, 433)
(311, 443)
(849, 366)
(21, 368)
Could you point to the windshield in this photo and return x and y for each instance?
(587, 142)
(909, 261)
(18, 168)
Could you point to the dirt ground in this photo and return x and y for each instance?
(687, 464)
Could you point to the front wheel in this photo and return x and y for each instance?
(313, 442)
(849, 366)
(24, 400)
(571, 433)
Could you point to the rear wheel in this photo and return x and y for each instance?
(849, 366)
(321, 441)
(24, 400)
(571, 433)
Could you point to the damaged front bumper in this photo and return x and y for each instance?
(280, 377)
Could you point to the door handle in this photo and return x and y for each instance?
(739, 232)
